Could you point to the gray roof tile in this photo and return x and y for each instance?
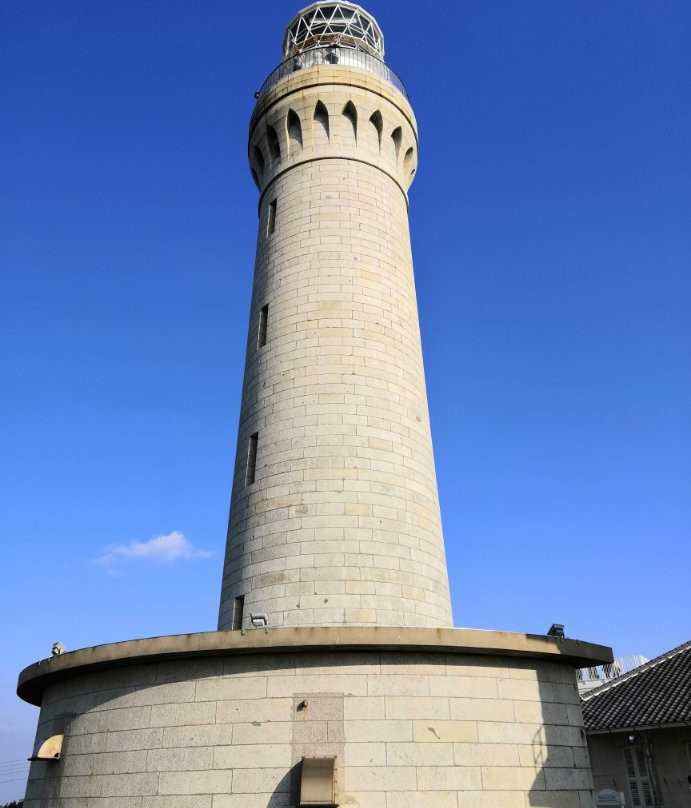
(657, 693)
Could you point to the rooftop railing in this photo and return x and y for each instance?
(332, 55)
(604, 673)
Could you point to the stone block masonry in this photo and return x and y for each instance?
(335, 514)
(335, 621)
(409, 729)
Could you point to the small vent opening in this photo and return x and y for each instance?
(318, 782)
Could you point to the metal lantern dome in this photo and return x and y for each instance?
(343, 24)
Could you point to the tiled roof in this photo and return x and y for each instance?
(657, 693)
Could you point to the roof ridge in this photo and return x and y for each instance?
(607, 686)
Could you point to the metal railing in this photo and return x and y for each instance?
(603, 673)
(348, 57)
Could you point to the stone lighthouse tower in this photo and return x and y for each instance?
(335, 514)
(335, 677)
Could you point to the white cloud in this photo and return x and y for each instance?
(165, 549)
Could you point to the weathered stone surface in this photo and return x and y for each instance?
(393, 747)
(340, 524)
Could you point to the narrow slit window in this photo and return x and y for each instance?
(271, 225)
(294, 131)
(272, 139)
(408, 159)
(321, 117)
(238, 608)
(397, 137)
(261, 331)
(259, 160)
(251, 459)
(351, 114)
(378, 124)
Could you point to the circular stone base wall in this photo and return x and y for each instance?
(229, 731)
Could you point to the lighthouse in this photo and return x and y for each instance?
(335, 677)
(335, 514)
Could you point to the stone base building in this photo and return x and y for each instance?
(414, 717)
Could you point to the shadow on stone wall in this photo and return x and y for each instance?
(563, 777)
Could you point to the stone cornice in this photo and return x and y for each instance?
(34, 679)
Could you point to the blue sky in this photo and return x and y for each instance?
(550, 226)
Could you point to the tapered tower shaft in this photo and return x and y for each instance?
(334, 514)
